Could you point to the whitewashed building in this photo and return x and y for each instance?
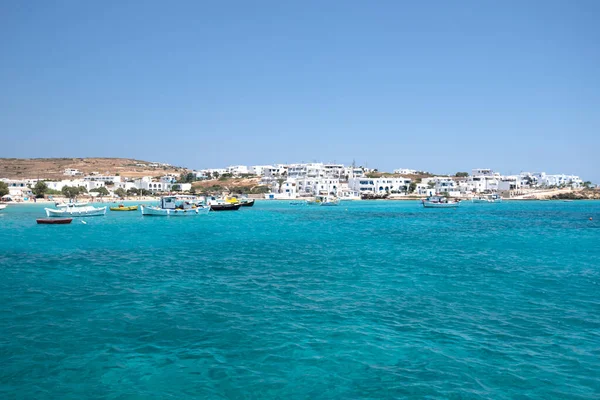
(259, 170)
(20, 187)
(317, 186)
(88, 185)
(442, 184)
(103, 178)
(546, 180)
(483, 172)
(334, 171)
(405, 171)
(379, 185)
(125, 185)
(237, 170)
(424, 189)
(72, 172)
(147, 183)
(509, 183)
(287, 189)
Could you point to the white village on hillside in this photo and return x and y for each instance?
(290, 181)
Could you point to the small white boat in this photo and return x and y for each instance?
(439, 202)
(2, 206)
(350, 196)
(75, 204)
(329, 201)
(73, 211)
(279, 196)
(179, 206)
(488, 198)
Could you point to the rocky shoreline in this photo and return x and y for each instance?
(580, 195)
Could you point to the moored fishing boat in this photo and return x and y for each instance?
(179, 206)
(76, 211)
(329, 201)
(479, 199)
(122, 207)
(439, 202)
(225, 207)
(54, 221)
(487, 198)
(73, 204)
(247, 202)
(226, 204)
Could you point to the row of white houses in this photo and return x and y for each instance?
(21, 188)
(300, 170)
(480, 181)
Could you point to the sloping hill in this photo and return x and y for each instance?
(53, 168)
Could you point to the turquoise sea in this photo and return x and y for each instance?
(373, 300)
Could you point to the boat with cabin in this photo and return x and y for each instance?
(178, 206)
(71, 210)
(439, 202)
(224, 204)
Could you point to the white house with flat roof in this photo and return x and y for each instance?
(509, 183)
(483, 172)
(483, 183)
(103, 178)
(379, 185)
(237, 170)
(334, 171)
(546, 180)
(72, 172)
(317, 186)
(442, 184)
(405, 171)
(147, 183)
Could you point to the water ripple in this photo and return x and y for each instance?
(367, 300)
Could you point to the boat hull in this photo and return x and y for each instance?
(126, 208)
(2, 206)
(54, 221)
(225, 207)
(440, 205)
(247, 203)
(330, 203)
(162, 212)
(76, 212)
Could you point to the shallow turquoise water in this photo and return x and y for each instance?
(366, 300)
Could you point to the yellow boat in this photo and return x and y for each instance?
(231, 200)
(121, 207)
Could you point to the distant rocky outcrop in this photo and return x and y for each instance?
(589, 194)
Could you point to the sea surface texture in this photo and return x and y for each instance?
(366, 300)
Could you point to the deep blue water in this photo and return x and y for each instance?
(366, 300)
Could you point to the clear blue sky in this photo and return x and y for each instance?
(440, 85)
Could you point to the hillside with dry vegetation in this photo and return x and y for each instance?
(230, 185)
(53, 168)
